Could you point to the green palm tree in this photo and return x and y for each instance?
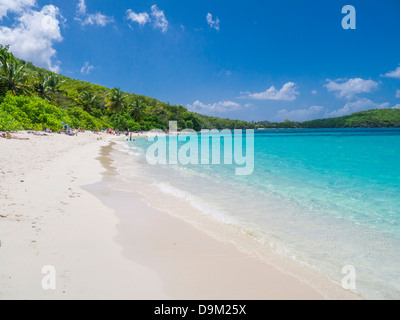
(116, 101)
(12, 76)
(41, 86)
(4, 55)
(55, 84)
(3, 59)
(87, 101)
(137, 109)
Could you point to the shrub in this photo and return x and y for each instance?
(82, 119)
(8, 123)
(123, 122)
(34, 113)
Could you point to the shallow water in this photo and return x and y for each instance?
(324, 198)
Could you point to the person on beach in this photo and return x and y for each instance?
(9, 136)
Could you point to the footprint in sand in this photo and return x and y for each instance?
(75, 195)
(33, 244)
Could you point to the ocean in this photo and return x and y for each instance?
(324, 199)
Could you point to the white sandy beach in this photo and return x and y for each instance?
(49, 220)
(47, 217)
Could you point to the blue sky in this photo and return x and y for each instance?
(250, 60)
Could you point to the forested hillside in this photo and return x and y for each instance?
(35, 98)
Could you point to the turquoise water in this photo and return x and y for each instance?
(325, 198)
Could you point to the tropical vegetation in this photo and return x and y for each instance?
(35, 98)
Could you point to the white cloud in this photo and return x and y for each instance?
(220, 107)
(33, 35)
(349, 89)
(85, 19)
(156, 16)
(393, 74)
(81, 8)
(356, 106)
(97, 19)
(287, 93)
(87, 68)
(213, 23)
(397, 106)
(398, 94)
(314, 112)
(17, 6)
(159, 19)
(140, 18)
(314, 92)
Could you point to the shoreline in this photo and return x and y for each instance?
(188, 240)
(59, 207)
(192, 265)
